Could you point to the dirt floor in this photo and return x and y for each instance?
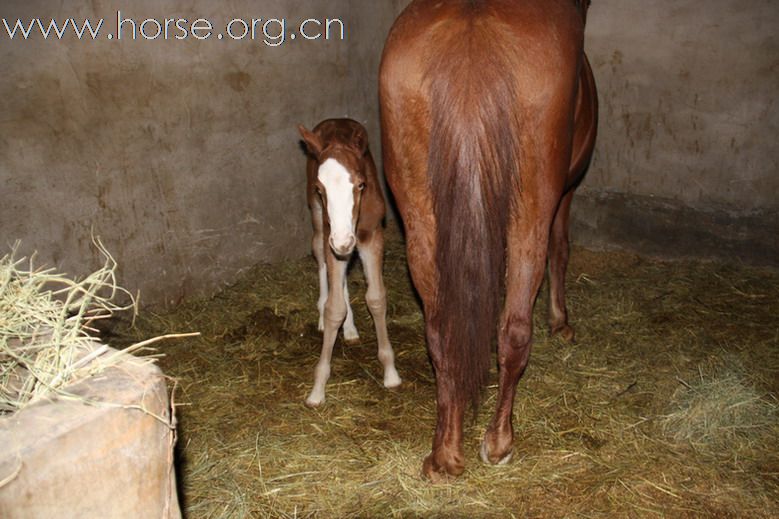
(665, 406)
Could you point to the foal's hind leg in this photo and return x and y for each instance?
(350, 330)
(334, 314)
(558, 263)
(372, 255)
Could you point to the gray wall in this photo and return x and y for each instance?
(686, 160)
(182, 155)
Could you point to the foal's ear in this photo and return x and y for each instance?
(312, 140)
(360, 140)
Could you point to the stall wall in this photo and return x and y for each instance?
(686, 161)
(183, 157)
(181, 154)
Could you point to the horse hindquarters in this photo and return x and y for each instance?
(453, 181)
(405, 166)
(493, 97)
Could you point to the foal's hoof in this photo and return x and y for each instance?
(313, 401)
(439, 470)
(391, 379)
(351, 337)
(565, 332)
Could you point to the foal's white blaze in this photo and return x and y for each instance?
(340, 204)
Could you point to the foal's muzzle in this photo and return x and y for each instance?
(343, 246)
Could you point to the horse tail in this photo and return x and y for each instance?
(473, 170)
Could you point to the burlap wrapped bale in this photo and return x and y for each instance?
(72, 457)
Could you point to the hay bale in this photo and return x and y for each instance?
(86, 430)
(104, 451)
(46, 326)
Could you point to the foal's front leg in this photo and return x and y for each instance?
(371, 255)
(318, 246)
(334, 314)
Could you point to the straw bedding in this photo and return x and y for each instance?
(665, 406)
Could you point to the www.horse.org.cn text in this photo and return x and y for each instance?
(272, 32)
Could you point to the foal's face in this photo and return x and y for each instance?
(340, 183)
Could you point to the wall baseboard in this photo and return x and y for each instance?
(667, 229)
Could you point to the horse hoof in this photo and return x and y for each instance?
(392, 379)
(485, 456)
(351, 337)
(312, 402)
(441, 472)
(565, 332)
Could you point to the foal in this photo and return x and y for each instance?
(347, 209)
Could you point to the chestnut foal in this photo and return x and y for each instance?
(347, 209)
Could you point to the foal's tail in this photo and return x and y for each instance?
(474, 175)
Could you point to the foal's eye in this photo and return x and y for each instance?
(361, 186)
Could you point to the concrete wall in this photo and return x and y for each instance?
(686, 162)
(182, 154)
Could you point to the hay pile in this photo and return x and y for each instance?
(665, 406)
(47, 328)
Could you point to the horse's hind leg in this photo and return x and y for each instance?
(446, 457)
(558, 263)
(526, 260)
(334, 314)
(372, 254)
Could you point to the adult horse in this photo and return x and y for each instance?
(489, 115)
